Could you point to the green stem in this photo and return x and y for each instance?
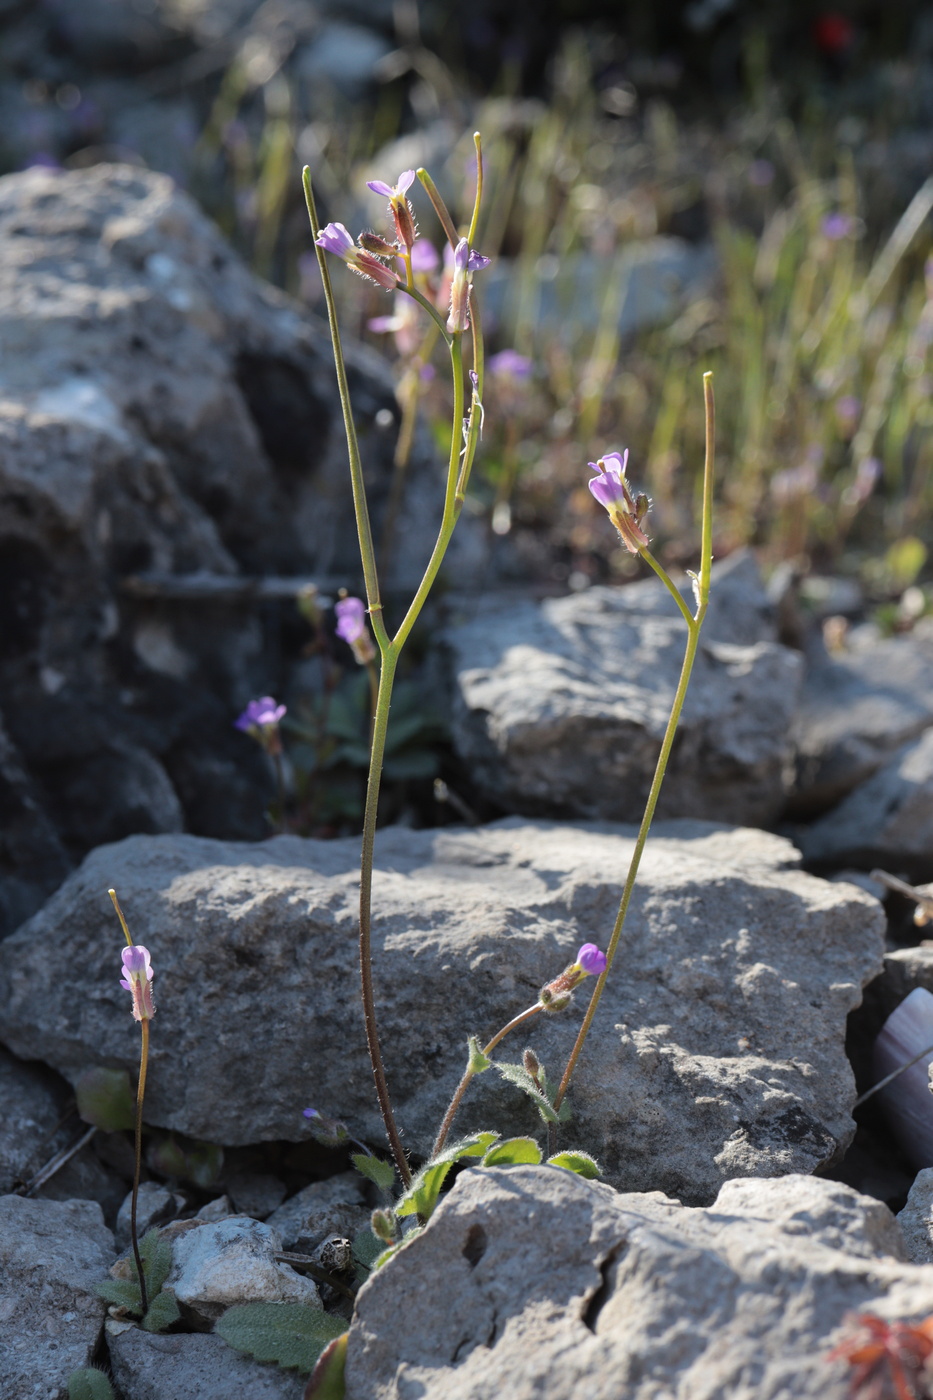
(693, 638)
(360, 507)
(478, 146)
(462, 1087)
(432, 310)
(440, 208)
(140, 1093)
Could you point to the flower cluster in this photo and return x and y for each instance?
(626, 511)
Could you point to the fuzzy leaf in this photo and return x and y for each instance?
(156, 1255)
(518, 1074)
(422, 1195)
(292, 1335)
(89, 1384)
(513, 1151)
(580, 1162)
(477, 1060)
(203, 1163)
(376, 1169)
(121, 1292)
(163, 1311)
(105, 1099)
(367, 1248)
(327, 1379)
(477, 1145)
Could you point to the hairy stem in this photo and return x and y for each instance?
(693, 638)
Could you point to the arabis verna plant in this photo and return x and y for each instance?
(396, 263)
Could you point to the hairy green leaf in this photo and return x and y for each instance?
(367, 1248)
(292, 1335)
(105, 1099)
(327, 1379)
(422, 1195)
(121, 1292)
(89, 1384)
(477, 1145)
(376, 1169)
(156, 1255)
(478, 1062)
(518, 1075)
(163, 1311)
(512, 1152)
(580, 1162)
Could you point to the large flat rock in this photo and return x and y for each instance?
(529, 1282)
(560, 707)
(718, 1050)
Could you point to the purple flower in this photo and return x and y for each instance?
(351, 619)
(137, 976)
(465, 262)
(612, 490)
(351, 627)
(592, 960)
(259, 714)
(399, 207)
(837, 225)
(405, 182)
(509, 364)
(424, 256)
(335, 238)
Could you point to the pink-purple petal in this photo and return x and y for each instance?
(380, 187)
(405, 181)
(592, 959)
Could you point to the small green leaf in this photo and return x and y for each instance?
(121, 1292)
(163, 1311)
(89, 1384)
(477, 1061)
(477, 1145)
(422, 1195)
(165, 1156)
(105, 1099)
(327, 1379)
(367, 1248)
(292, 1335)
(156, 1254)
(203, 1163)
(512, 1152)
(580, 1162)
(517, 1074)
(376, 1169)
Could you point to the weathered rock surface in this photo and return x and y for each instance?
(156, 1205)
(718, 1051)
(192, 1366)
(53, 1254)
(216, 1266)
(332, 1207)
(856, 709)
(916, 1219)
(888, 820)
(31, 1104)
(530, 1282)
(560, 707)
(161, 413)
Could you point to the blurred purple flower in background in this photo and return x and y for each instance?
(509, 364)
(351, 619)
(837, 225)
(259, 714)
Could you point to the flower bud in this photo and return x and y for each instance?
(382, 1224)
(380, 246)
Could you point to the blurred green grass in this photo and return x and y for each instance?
(817, 314)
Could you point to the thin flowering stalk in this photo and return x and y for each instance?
(554, 996)
(694, 623)
(463, 446)
(136, 979)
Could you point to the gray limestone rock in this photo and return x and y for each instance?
(192, 1366)
(916, 1219)
(233, 1261)
(332, 1207)
(560, 707)
(53, 1254)
(887, 821)
(530, 1282)
(718, 1050)
(31, 1104)
(855, 710)
(155, 1206)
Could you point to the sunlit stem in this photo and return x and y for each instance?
(390, 648)
(478, 146)
(694, 624)
(140, 1094)
(469, 1073)
(440, 208)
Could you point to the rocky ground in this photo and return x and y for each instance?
(172, 457)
